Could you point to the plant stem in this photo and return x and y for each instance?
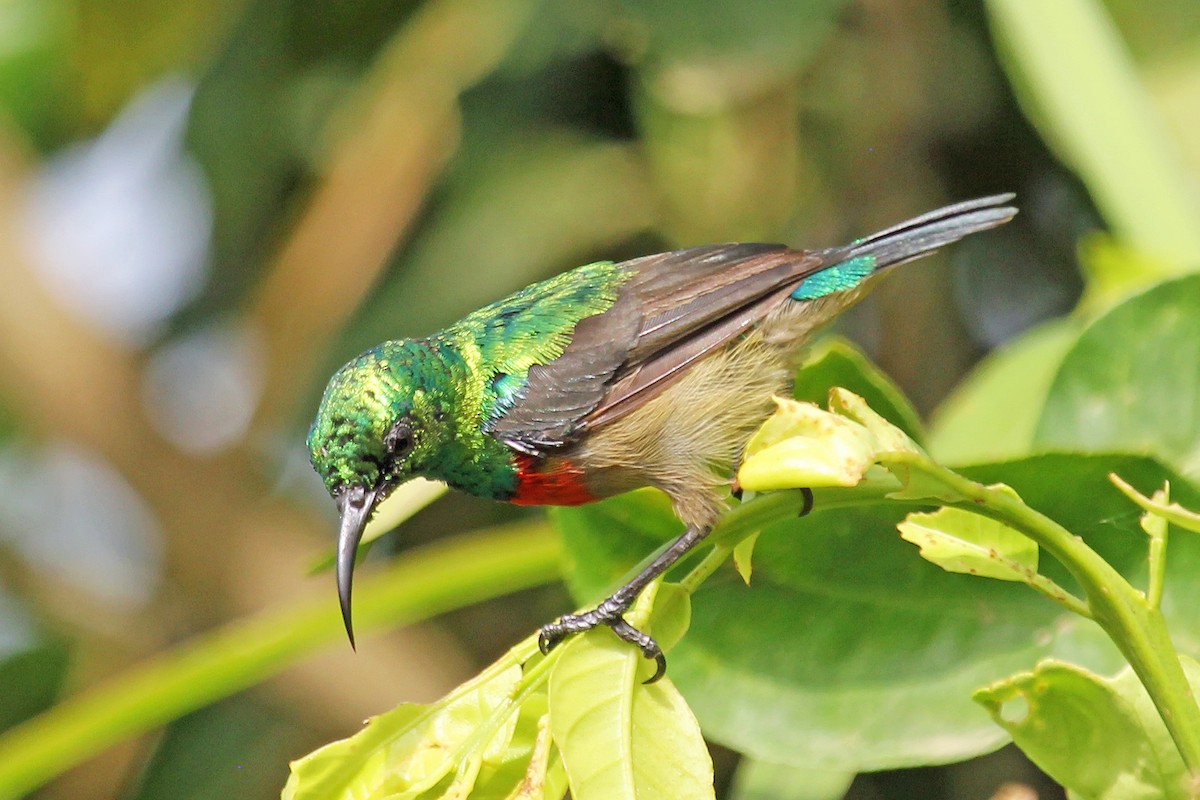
(1156, 527)
(1158, 568)
(1138, 630)
(1040, 583)
(700, 573)
(772, 507)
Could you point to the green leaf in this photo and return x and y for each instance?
(1100, 738)
(1169, 766)
(671, 616)
(434, 579)
(743, 553)
(231, 749)
(619, 738)
(960, 541)
(802, 445)
(762, 780)
(888, 437)
(834, 361)
(495, 771)
(1129, 382)
(410, 749)
(993, 413)
(848, 652)
(527, 761)
(1113, 272)
(33, 676)
(1171, 512)
(1078, 84)
(544, 776)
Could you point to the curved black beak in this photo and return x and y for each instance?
(356, 504)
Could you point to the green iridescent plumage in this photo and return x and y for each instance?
(500, 342)
(650, 372)
(454, 385)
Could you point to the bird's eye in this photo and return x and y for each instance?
(399, 440)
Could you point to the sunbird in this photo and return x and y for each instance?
(600, 380)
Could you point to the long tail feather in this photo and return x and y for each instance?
(926, 233)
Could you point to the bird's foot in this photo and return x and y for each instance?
(607, 613)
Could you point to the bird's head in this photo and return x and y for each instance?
(376, 428)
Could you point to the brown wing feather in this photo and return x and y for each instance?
(675, 308)
(558, 394)
(683, 291)
(653, 375)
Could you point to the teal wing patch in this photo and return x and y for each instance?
(835, 278)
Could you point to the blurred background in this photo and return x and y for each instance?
(206, 207)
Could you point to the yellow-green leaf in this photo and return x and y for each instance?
(534, 785)
(410, 749)
(743, 552)
(961, 541)
(889, 438)
(671, 614)
(1100, 738)
(802, 445)
(619, 738)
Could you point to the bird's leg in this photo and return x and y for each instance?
(609, 611)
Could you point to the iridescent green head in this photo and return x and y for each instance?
(354, 440)
(378, 426)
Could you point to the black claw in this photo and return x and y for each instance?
(808, 502)
(552, 634)
(609, 611)
(660, 661)
(644, 642)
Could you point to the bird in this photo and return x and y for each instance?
(603, 379)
